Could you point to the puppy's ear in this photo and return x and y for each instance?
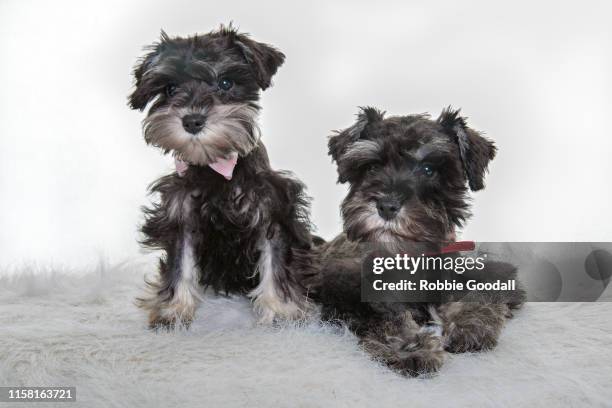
(476, 151)
(142, 93)
(263, 59)
(339, 143)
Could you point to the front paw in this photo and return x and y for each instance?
(409, 354)
(171, 316)
(273, 308)
(422, 355)
(476, 328)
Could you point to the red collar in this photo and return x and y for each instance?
(458, 247)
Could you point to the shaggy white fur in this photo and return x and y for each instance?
(84, 331)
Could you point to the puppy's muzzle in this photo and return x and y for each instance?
(193, 123)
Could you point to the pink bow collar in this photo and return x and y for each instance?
(224, 166)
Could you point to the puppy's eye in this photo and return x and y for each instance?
(226, 84)
(372, 167)
(170, 90)
(428, 170)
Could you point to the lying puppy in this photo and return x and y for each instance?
(408, 191)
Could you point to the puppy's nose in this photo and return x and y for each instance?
(388, 207)
(194, 122)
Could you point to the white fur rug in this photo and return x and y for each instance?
(57, 329)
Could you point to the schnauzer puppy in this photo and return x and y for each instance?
(225, 219)
(408, 184)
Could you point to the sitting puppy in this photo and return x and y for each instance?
(408, 184)
(225, 219)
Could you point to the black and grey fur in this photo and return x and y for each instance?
(235, 236)
(408, 182)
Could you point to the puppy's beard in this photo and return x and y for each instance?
(361, 220)
(362, 223)
(228, 128)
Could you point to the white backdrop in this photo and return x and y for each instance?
(534, 75)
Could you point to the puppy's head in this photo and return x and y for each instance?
(408, 175)
(202, 93)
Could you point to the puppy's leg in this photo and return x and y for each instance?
(472, 326)
(405, 346)
(177, 301)
(175, 295)
(278, 294)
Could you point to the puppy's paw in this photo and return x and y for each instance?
(411, 355)
(475, 337)
(424, 354)
(272, 308)
(171, 316)
(475, 328)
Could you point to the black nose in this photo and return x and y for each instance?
(387, 207)
(194, 122)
